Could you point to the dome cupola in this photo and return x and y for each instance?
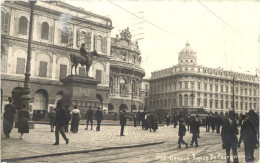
(187, 56)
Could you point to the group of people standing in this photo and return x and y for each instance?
(249, 132)
(9, 117)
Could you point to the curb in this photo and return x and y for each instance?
(81, 151)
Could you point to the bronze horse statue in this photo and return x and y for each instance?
(85, 61)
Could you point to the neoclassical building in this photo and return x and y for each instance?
(125, 74)
(189, 85)
(59, 30)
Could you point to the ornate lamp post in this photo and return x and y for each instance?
(26, 90)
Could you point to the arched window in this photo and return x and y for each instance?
(23, 25)
(83, 37)
(180, 100)
(88, 41)
(45, 31)
(185, 100)
(99, 43)
(123, 87)
(65, 35)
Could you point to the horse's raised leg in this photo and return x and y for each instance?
(71, 69)
(76, 69)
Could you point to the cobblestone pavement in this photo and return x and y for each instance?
(86, 144)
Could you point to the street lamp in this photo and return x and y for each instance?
(26, 90)
(233, 93)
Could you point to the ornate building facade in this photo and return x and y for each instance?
(59, 30)
(125, 74)
(189, 85)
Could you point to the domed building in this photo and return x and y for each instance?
(125, 74)
(190, 86)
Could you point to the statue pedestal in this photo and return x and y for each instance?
(80, 91)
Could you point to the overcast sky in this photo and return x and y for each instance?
(224, 34)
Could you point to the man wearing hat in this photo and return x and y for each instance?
(9, 115)
(122, 122)
(182, 132)
(229, 134)
(188, 121)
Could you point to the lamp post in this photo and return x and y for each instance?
(233, 93)
(26, 90)
(132, 97)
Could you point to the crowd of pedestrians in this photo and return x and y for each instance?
(225, 125)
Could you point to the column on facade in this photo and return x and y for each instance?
(36, 33)
(9, 68)
(11, 32)
(54, 67)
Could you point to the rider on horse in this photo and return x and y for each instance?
(84, 54)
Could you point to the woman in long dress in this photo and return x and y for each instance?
(23, 121)
(75, 118)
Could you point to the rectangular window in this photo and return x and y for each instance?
(210, 87)
(198, 86)
(82, 71)
(146, 87)
(99, 75)
(221, 89)
(192, 85)
(63, 71)
(186, 85)
(205, 86)
(216, 88)
(205, 103)
(226, 89)
(20, 67)
(180, 85)
(43, 69)
(210, 104)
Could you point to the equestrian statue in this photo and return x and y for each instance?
(86, 59)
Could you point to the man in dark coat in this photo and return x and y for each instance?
(248, 134)
(60, 123)
(213, 123)
(218, 123)
(122, 122)
(188, 121)
(142, 115)
(152, 122)
(135, 119)
(182, 132)
(9, 115)
(194, 129)
(208, 123)
(228, 134)
(89, 116)
(138, 118)
(51, 116)
(175, 120)
(168, 119)
(99, 117)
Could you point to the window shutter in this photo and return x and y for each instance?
(98, 76)
(95, 42)
(89, 40)
(78, 38)
(6, 23)
(43, 69)
(63, 71)
(104, 48)
(20, 67)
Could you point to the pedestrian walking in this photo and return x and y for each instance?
(197, 117)
(194, 129)
(122, 122)
(75, 118)
(23, 121)
(168, 119)
(182, 132)
(213, 123)
(68, 118)
(9, 115)
(208, 122)
(51, 116)
(138, 118)
(135, 119)
(89, 116)
(248, 134)
(218, 123)
(229, 139)
(175, 120)
(188, 121)
(142, 117)
(99, 117)
(60, 122)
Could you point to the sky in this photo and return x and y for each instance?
(223, 33)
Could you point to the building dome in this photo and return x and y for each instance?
(187, 55)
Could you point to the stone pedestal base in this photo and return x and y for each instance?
(80, 91)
